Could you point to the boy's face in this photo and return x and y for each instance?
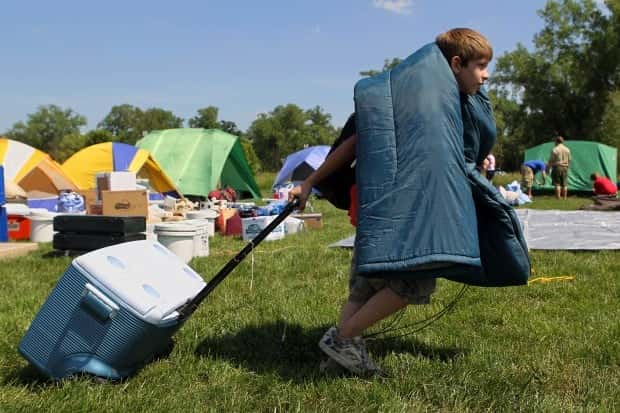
(470, 77)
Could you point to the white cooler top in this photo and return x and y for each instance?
(144, 276)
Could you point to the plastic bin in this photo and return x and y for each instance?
(19, 227)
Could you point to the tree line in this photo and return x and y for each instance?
(569, 84)
(272, 136)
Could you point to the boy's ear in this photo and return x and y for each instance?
(456, 64)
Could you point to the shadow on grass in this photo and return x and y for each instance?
(291, 351)
(62, 253)
(28, 376)
(36, 381)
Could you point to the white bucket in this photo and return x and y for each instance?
(293, 225)
(42, 227)
(178, 238)
(201, 240)
(208, 215)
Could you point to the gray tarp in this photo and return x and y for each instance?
(560, 230)
(570, 230)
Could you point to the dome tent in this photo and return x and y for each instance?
(201, 160)
(586, 157)
(32, 170)
(299, 165)
(85, 164)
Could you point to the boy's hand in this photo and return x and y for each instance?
(300, 192)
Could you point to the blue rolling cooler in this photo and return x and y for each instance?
(116, 308)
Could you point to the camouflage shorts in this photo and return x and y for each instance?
(527, 178)
(414, 291)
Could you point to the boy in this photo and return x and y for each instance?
(372, 299)
(602, 185)
(529, 169)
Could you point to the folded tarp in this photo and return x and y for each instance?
(419, 198)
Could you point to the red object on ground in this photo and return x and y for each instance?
(19, 227)
(233, 225)
(604, 186)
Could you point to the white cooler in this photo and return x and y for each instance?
(112, 311)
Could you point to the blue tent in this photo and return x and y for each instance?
(299, 165)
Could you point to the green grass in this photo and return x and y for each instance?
(252, 344)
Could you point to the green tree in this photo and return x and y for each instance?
(206, 118)
(68, 145)
(230, 127)
(287, 129)
(129, 123)
(250, 155)
(387, 65)
(159, 119)
(566, 83)
(124, 123)
(46, 128)
(96, 136)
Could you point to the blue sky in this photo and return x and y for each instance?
(245, 57)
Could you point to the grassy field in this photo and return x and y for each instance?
(252, 345)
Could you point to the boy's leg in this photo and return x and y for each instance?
(348, 310)
(381, 305)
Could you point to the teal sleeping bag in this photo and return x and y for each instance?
(424, 211)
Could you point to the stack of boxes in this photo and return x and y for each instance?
(4, 233)
(116, 195)
(116, 213)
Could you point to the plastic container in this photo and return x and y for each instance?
(112, 311)
(18, 227)
(293, 225)
(201, 240)
(42, 227)
(178, 237)
(205, 214)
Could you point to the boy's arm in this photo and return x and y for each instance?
(341, 156)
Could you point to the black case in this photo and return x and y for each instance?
(90, 242)
(99, 224)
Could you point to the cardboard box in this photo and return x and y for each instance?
(115, 181)
(125, 203)
(250, 227)
(91, 204)
(311, 220)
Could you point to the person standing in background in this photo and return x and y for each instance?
(559, 161)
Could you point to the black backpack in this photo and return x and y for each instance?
(337, 186)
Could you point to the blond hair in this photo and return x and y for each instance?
(465, 43)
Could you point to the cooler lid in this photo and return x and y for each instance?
(144, 276)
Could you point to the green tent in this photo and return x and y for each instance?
(587, 157)
(201, 160)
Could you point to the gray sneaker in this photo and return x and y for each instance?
(349, 353)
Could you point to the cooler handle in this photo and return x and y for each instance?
(97, 304)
